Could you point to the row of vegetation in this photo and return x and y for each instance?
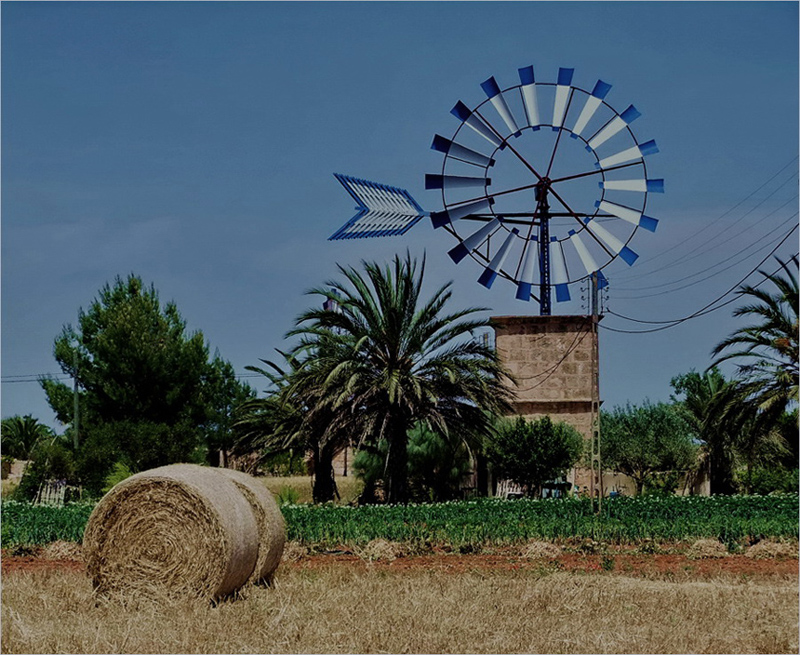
(405, 381)
(480, 522)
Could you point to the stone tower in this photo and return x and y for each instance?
(553, 359)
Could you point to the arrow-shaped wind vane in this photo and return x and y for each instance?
(382, 210)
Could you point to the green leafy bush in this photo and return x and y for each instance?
(119, 472)
(532, 452)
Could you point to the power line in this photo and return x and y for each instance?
(707, 309)
(724, 214)
(705, 270)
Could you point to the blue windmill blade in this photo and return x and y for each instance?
(381, 210)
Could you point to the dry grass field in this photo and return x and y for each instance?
(338, 608)
(349, 487)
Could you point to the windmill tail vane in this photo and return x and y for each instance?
(539, 229)
(382, 210)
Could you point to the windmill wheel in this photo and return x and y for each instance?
(543, 184)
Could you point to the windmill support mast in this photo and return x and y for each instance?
(543, 210)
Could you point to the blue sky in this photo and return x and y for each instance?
(194, 144)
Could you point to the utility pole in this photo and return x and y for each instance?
(597, 467)
(75, 411)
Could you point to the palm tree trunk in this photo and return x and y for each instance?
(324, 489)
(397, 468)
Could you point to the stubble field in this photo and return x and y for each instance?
(439, 603)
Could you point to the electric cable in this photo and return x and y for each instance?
(725, 213)
(707, 309)
(708, 277)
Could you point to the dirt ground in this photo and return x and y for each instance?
(626, 562)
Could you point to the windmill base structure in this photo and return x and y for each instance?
(554, 360)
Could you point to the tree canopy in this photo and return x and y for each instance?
(766, 352)
(382, 358)
(643, 441)
(530, 453)
(149, 392)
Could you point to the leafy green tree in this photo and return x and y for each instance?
(767, 353)
(20, 434)
(226, 394)
(149, 393)
(51, 458)
(702, 398)
(530, 453)
(398, 360)
(646, 441)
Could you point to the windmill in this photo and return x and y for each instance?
(546, 188)
(543, 184)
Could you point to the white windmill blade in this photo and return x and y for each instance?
(454, 181)
(489, 275)
(617, 247)
(462, 153)
(627, 214)
(559, 271)
(463, 113)
(563, 89)
(529, 101)
(492, 91)
(473, 241)
(641, 185)
(615, 125)
(382, 210)
(439, 219)
(594, 101)
(589, 264)
(583, 252)
(525, 284)
(630, 154)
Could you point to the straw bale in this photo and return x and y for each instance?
(270, 522)
(707, 549)
(181, 528)
(382, 550)
(769, 549)
(63, 550)
(540, 550)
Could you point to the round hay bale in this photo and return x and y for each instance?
(270, 522)
(183, 529)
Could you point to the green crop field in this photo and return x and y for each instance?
(479, 522)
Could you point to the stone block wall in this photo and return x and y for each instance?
(551, 358)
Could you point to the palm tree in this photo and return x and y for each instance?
(768, 349)
(391, 360)
(21, 434)
(706, 397)
(295, 415)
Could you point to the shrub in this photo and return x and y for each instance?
(532, 452)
